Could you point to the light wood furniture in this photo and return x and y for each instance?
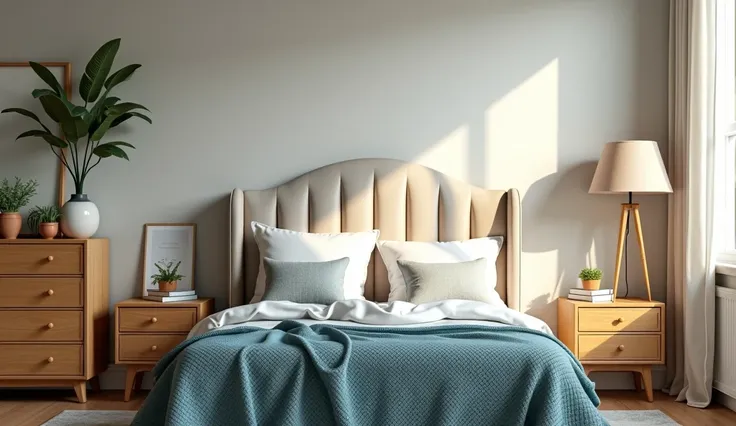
(627, 210)
(146, 330)
(54, 313)
(626, 335)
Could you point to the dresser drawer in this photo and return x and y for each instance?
(41, 292)
(41, 259)
(16, 326)
(157, 320)
(146, 347)
(42, 360)
(619, 319)
(621, 347)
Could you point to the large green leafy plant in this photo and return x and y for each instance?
(85, 126)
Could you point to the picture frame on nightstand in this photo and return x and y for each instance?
(169, 242)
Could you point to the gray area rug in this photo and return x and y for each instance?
(123, 418)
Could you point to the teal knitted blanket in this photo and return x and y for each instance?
(296, 374)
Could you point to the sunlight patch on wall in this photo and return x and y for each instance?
(450, 154)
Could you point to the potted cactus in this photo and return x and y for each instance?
(168, 275)
(45, 221)
(591, 278)
(12, 199)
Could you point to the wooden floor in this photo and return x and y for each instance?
(32, 408)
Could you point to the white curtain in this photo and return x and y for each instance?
(693, 209)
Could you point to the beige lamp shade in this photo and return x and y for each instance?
(630, 166)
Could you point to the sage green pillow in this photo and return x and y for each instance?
(433, 282)
(305, 282)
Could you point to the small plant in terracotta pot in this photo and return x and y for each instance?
(45, 221)
(12, 199)
(591, 278)
(168, 275)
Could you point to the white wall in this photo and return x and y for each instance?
(252, 93)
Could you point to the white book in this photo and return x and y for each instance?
(593, 299)
(164, 299)
(171, 293)
(585, 292)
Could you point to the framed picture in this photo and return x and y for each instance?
(17, 158)
(169, 242)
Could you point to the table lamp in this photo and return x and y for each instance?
(628, 167)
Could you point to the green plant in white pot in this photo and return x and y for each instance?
(84, 128)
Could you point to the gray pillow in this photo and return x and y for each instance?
(305, 282)
(432, 282)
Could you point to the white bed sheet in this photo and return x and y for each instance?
(365, 313)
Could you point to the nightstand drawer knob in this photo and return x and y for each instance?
(50, 325)
(50, 292)
(620, 348)
(50, 258)
(620, 320)
(154, 347)
(154, 320)
(50, 360)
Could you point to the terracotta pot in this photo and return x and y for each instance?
(10, 224)
(591, 284)
(167, 285)
(48, 230)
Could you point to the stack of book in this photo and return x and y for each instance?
(595, 296)
(171, 296)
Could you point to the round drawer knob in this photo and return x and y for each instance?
(620, 320)
(50, 325)
(50, 360)
(620, 348)
(154, 320)
(50, 292)
(154, 347)
(50, 258)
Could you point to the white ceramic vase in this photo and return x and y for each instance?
(79, 217)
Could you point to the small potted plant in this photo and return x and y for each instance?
(12, 199)
(591, 278)
(45, 221)
(168, 275)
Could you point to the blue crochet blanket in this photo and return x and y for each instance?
(296, 374)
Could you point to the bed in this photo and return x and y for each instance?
(367, 362)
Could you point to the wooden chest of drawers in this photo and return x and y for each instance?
(53, 313)
(145, 331)
(627, 335)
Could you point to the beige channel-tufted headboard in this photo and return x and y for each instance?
(406, 202)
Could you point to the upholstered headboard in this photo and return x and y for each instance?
(404, 201)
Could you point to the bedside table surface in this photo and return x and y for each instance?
(619, 303)
(143, 303)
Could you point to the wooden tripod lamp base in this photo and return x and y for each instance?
(627, 211)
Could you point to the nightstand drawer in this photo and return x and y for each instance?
(157, 320)
(619, 347)
(619, 319)
(149, 347)
(41, 292)
(41, 259)
(40, 326)
(42, 360)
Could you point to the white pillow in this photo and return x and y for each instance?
(293, 246)
(438, 252)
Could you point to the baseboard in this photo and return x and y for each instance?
(725, 400)
(114, 378)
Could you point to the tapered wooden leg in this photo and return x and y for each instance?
(95, 383)
(620, 248)
(138, 381)
(637, 382)
(646, 378)
(80, 388)
(129, 381)
(640, 239)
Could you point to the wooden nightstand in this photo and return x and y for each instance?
(627, 335)
(145, 331)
